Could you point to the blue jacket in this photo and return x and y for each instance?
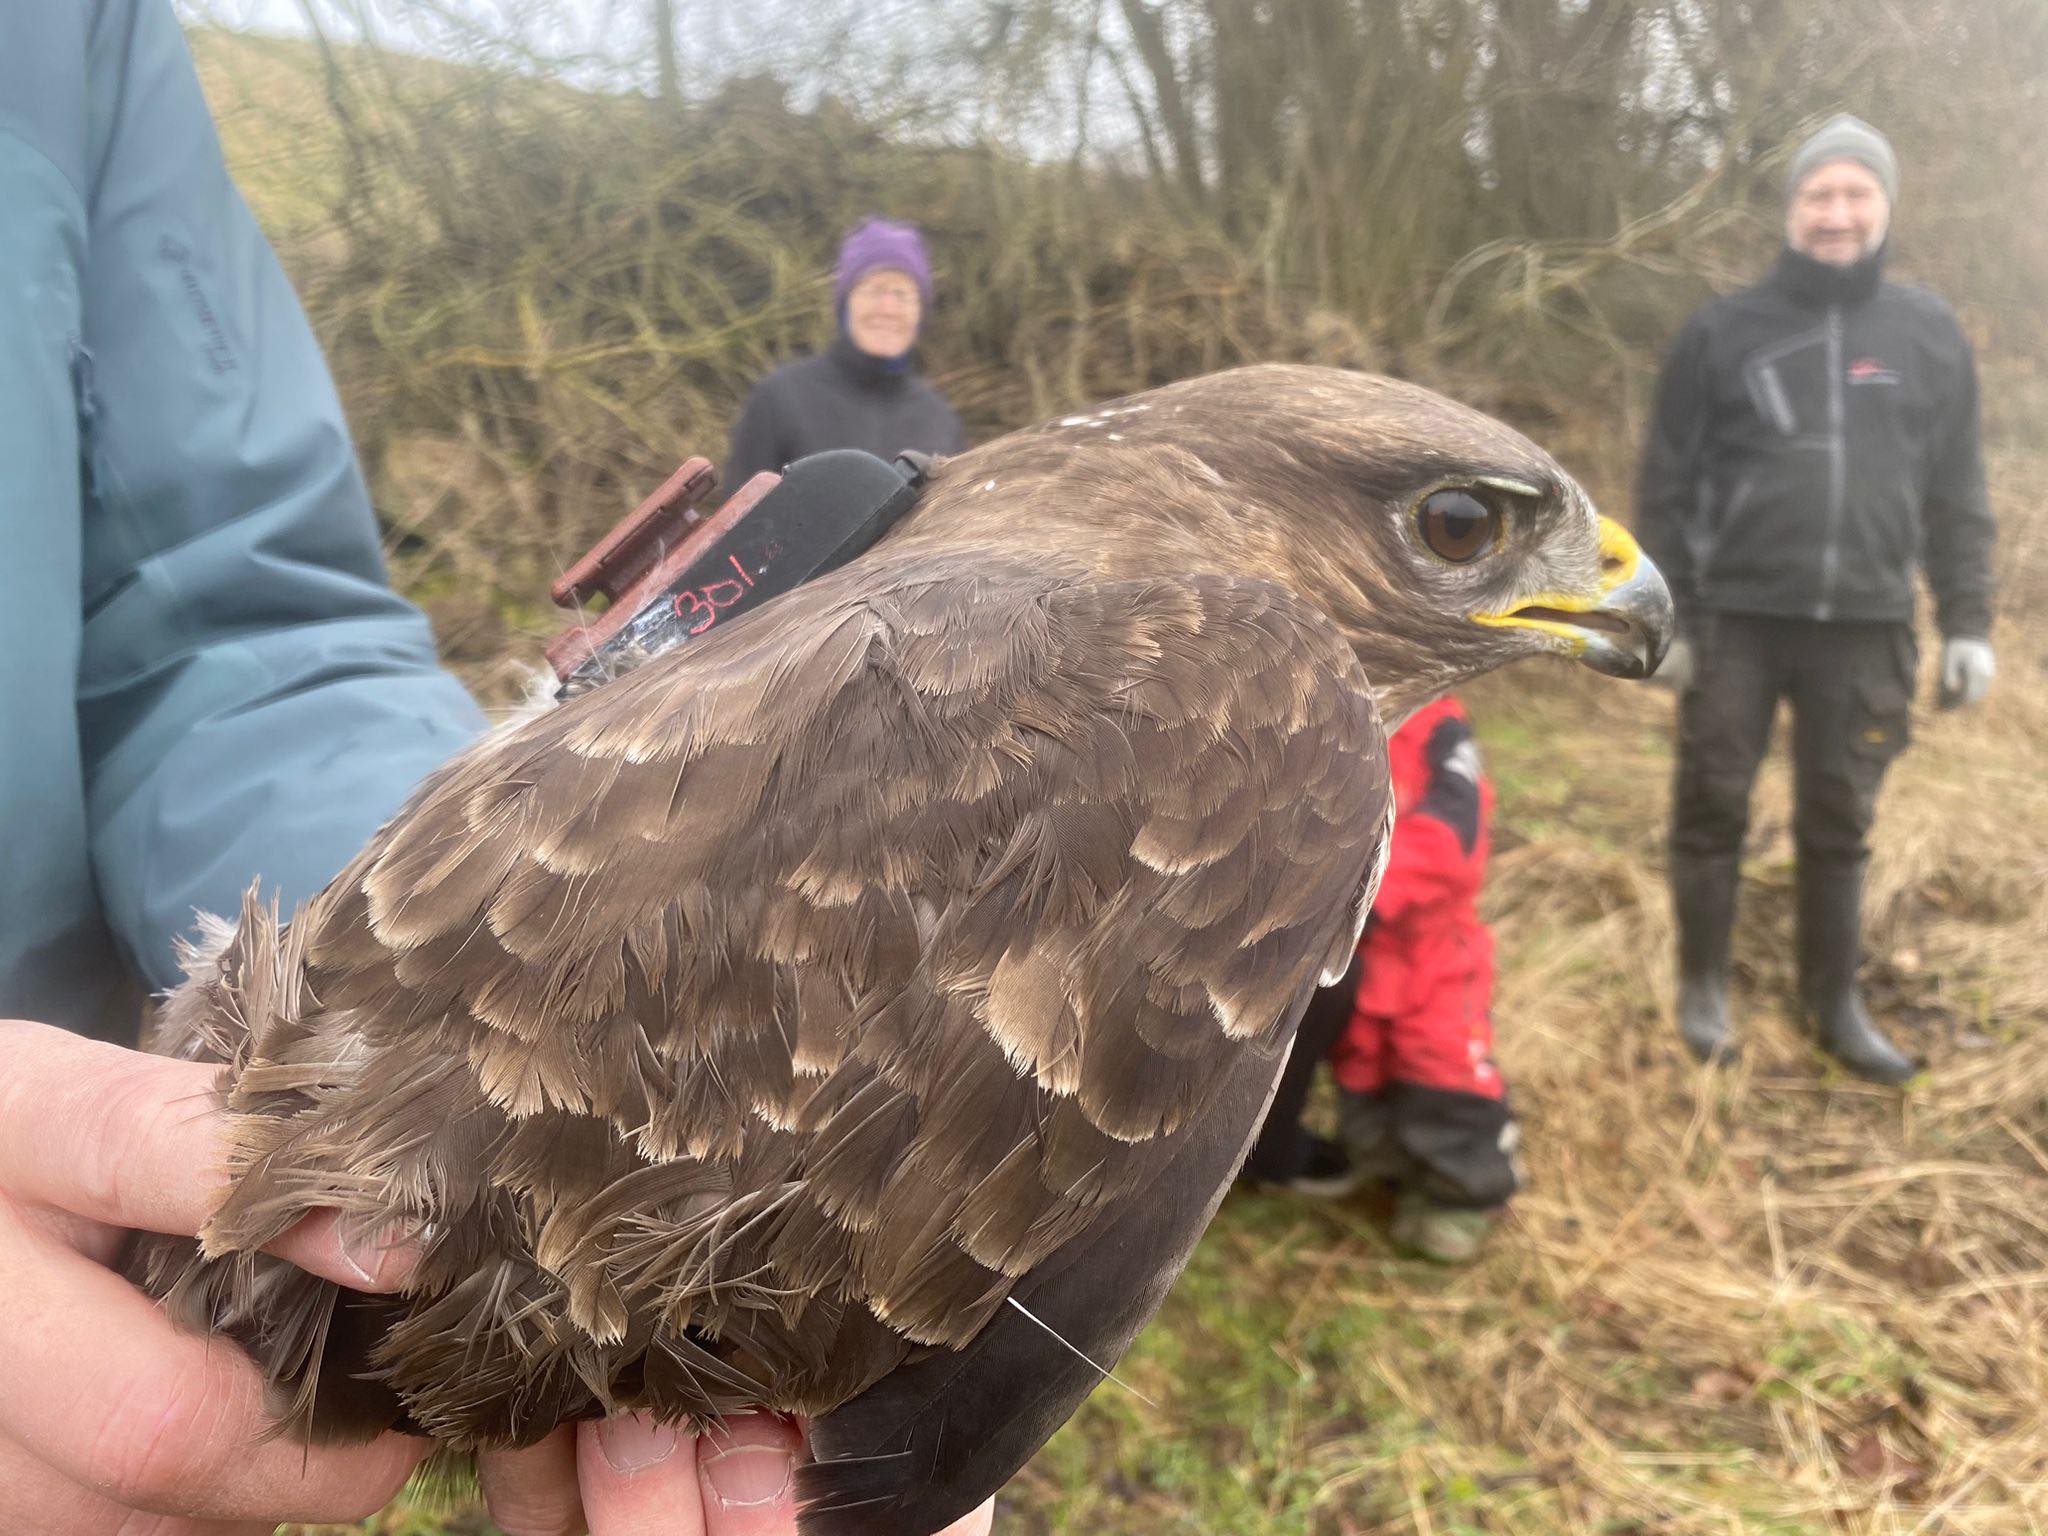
(204, 674)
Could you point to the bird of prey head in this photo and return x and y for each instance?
(1442, 543)
(860, 1010)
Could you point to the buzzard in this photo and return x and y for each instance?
(860, 1011)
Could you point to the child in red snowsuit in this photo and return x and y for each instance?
(1423, 1100)
(1408, 1028)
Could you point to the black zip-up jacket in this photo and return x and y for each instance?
(1816, 440)
(842, 398)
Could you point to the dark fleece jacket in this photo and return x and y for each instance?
(843, 398)
(1815, 441)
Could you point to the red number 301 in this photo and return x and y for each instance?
(702, 607)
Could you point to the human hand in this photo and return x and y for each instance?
(1677, 669)
(109, 1416)
(629, 1476)
(1967, 667)
(112, 1423)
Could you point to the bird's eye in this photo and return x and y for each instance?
(1456, 525)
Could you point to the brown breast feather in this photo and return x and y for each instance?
(752, 1023)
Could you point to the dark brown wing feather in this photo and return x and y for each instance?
(751, 1025)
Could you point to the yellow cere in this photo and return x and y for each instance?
(1620, 555)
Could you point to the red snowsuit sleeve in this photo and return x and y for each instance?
(1443, 803)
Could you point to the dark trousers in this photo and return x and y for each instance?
(1282, 1150)
(1851, 691)
(1457, 1148)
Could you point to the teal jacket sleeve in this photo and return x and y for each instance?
(253, 699)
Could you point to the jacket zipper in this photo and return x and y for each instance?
(1838, 468)
(86, 394)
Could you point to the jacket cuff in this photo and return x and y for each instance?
(1969, 620)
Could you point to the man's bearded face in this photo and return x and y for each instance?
(1839, 214)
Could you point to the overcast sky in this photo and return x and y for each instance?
(605, 40)
(898, 59)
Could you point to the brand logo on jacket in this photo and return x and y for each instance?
(1870, 370)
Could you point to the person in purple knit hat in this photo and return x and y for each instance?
(863, 391)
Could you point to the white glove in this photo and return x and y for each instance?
(1967, 667)
(1676, 670)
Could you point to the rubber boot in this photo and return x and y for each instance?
(1443, 1234)
(1703, 897)
(1830, 949)
(1328, 1174)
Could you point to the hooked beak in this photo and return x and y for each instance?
(1623, 630)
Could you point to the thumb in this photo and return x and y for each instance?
(638, 1478)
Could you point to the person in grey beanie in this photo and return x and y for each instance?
(1814, 446)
